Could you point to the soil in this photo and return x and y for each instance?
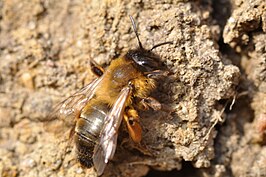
(216, 90)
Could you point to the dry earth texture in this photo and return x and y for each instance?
(217, 88)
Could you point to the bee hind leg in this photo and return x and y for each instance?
(131, 118)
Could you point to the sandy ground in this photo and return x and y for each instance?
(217, 88)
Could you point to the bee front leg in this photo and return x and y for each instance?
(150, 102)
(131, 118)
(96, 68)
(156, 74)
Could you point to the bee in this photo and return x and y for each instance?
(95, 112)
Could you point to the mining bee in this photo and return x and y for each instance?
(95, 112)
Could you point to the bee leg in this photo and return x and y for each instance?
(157, 74)
(144, 149)
(96, 68)
(150, 102)
(131, 118)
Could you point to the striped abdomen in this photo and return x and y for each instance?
(87, 132)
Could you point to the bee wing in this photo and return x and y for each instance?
(64, 115)
(105, 149)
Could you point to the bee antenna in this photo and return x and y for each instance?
(160, 44)
(135, 30)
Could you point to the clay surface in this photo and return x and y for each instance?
(216, 90)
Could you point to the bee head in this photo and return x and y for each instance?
(146, 60)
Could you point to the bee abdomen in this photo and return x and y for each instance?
(87, 132)
(84, 147)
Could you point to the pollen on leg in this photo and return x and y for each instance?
(134, 129)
